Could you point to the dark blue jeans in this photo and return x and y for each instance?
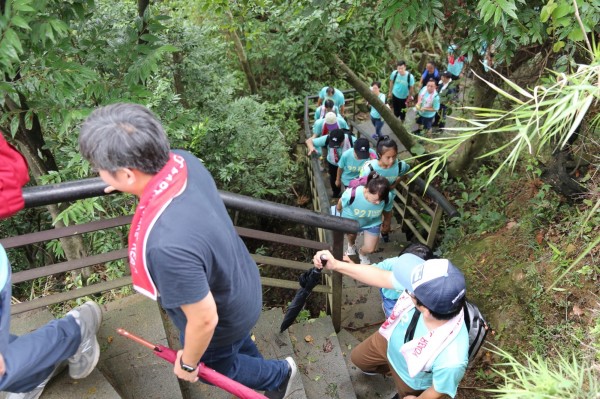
(242, 362)
(378, 123)
(31, 358)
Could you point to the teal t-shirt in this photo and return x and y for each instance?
(456, 68)
(319, 123)
(400, 168)
(364, 212)
(447, 369)
(404, 260)
(427, 98)
(321, 110)
(374, 113)
(402, 84)
(351, 166)
(338, 96)
(320, 143)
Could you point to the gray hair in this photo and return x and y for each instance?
(124, 136)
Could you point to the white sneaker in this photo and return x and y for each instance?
(351, 250)
(89, 317)
(285, 389)
(364, 259)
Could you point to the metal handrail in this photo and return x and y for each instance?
(94, 187)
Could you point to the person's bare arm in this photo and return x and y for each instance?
(367, 274)
(202, 319)
(310, 145)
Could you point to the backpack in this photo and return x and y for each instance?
(13, 176)
(357, 182)
(477, 328)
(407, 78)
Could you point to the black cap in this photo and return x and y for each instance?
(336, 138)
(361, 148)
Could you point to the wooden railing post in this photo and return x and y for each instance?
(336, 282)
(435, 223)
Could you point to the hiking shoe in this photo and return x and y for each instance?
(367, 372)
(375, 136)
(36, 392)
(89, 317)
(385, 237)
(364, 259)
(285, 388)
(351, 250)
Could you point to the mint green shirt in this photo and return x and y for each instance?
(404, 260)
(364, 212)
(374, 113)
(401, 86)
(427, 98)
(400, 168)
(351, 166)
(338, 96)
(447, 369)
(319, 142)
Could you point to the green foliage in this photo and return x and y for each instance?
(245, 151)
(537, 378)
(478, 205)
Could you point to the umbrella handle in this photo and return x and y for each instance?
(137, 339)
(323, 261)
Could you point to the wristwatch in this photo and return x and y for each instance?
(186, 367)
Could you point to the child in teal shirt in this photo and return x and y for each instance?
(352, 161)
(365, 204)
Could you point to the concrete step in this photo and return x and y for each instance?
(365, 386)
(320, 360)
(95, 386)
(270, 343)
(361, 310)
(133, 370)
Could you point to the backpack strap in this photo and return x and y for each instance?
(352, 195)
(410, 331)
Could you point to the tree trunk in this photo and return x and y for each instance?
(178, 79)
(364, 90)
(31, 143)
(484, 98)
(142, 5)
(241, 53)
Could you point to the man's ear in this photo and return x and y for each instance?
(130, 175)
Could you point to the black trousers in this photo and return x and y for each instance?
(399, 107)
(332, 178)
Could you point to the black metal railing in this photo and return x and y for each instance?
(81, 189)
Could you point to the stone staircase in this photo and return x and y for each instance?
(130, 371)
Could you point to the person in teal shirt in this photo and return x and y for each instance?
(319, 125)
(456, 63)
(332, 93)
(388, 166)
(427, 106)
(328, 106)
(412, 255)
(437, 289)
(401, 89)
(366, 204)
(376, 118)
(352, 161)
(335, 143)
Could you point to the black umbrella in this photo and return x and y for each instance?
(308, 280)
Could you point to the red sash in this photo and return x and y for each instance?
(167, 184)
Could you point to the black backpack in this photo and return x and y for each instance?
(477, 328)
